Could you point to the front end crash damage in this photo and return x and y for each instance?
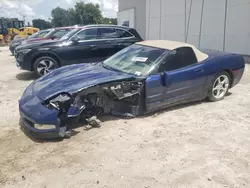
(123, 98)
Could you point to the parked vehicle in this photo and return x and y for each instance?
(3, 30)
(85, 44)
(17, 42)
(140, 79)
(46, 35)
(55, 33)
(16, 29)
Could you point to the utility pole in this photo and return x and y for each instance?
(225, 27)
(201, 22)
(189, 16)
(24, 19)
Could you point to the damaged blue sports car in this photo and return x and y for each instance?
(142, 78)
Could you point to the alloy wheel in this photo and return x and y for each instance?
(220, 86)
(45, 66)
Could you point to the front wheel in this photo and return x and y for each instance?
(44, 65)
(219, 87)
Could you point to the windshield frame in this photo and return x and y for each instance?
(151, 69)
(38, 33)
(71, 33)
(49, 33)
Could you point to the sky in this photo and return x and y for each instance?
(32, 9)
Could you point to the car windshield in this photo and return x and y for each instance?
(60, 33)
(70, 34)
(39, 34)
(136, 59)
(49, 33)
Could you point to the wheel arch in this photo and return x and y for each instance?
(49, 54)
(230, 72)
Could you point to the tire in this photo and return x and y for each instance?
(219, 87)
(45, 64)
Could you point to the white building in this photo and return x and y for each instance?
(208, 24)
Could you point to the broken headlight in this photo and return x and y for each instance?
(59, 102)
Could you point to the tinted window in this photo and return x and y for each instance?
(122, 33)
(179, 58)
(107, 33)
(88, 34)
(39, 34)
(70, 33)
(60, 33)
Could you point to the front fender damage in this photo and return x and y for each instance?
(123, 98)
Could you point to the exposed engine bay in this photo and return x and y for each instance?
(122, 98)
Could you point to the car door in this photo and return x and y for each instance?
(124, 39)
(85, 50)
(180, 78)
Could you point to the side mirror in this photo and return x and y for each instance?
(75, 40)
(166, 80)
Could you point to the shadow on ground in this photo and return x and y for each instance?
(26, 76)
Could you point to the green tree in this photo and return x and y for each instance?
(109, 21)
(72, 16)
(87, 13)
(41, 24)
(59, 17)
(81, 14)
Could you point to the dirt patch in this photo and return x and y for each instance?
(195, 145)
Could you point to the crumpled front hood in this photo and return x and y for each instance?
(74, 78)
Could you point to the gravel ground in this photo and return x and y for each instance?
(196, 145)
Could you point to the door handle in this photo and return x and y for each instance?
(199, 70)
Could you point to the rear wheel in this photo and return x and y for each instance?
(219, 87)
(44, 65)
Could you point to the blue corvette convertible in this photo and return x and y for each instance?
(142, 78)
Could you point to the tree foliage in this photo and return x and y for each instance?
(109, 21)
(41, 24)
(59, 17)
(81, 14)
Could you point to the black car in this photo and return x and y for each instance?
(86, 44)
(17, 42)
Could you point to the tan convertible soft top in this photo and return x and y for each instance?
(172, 45)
